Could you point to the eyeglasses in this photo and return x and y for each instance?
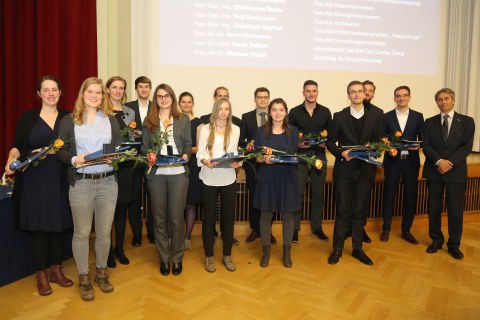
(165, 97)
(262, 97)
(353, 92)
(402, 96)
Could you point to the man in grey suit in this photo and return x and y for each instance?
(447, 141)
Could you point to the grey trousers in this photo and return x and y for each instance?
(168, 198)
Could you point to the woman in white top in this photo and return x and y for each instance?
(220, 136)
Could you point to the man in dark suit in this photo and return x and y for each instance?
(219, 93)
(447, 141)
(405, 164)
(251, 121)
(311, 117)
(143, 87)
(353, 178)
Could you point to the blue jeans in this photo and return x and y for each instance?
(89, 197)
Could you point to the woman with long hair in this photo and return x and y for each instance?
(116, 87)
(220, 136)
(168, 185)
(186, 103)
(277, 184)
(93, 189)
(39, 196)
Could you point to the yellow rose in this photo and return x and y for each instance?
(324, 133)
(398, 134)
(58, 143)
(318, 164)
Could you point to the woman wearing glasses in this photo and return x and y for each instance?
(168, 185)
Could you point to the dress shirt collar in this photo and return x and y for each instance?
(357, 114)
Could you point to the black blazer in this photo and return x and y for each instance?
(248, 127)
(458, 146)
(413, 131)
(343, 133)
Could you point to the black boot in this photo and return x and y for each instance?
(265, 257)
(287, 260)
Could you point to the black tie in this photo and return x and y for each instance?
(263, 118)
(445, 128)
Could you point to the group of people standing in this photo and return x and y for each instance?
(98, 193)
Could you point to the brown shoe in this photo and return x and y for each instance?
(384, 236)
(43, 285)
(252, 236)
(86, 288)
(57, 276)
(101, 280)
(409, 237)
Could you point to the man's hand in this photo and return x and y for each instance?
(443, 166)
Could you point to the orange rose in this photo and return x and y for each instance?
(167, 123)
(393, 152)
(152, 159)
(58, 143)
(268, 151)
(398, 134)
(385, 140)
(324, 133)
(300, 135)
(132, 124)
(318, 164)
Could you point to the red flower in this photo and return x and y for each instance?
(152, 159)
(300, 135)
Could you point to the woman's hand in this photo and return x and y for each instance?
(235, 165)
(266, 158)
(346, 156)
(209, 163)
(7, 166)
(185, 156)
(81, 158)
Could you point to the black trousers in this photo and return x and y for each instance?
(227, 214)
(351, 196)
(135, 207)
(454, 192)
(47, 249)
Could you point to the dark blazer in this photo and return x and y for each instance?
(343, 133)
(134, 106)
(181, 134)
(248, 127)
(69, 149)
(458, 146)
(413, 131)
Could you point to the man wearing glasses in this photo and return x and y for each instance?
(405, 164)
(311, 117)
(251, 121)
(353, 178)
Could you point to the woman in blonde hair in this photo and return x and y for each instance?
(93, 189)
(220, 136)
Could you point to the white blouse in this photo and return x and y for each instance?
(216, 176)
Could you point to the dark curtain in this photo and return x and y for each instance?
(39, 37)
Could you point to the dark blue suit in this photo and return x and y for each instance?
(456, 149)
(248, 128)
(405, 167)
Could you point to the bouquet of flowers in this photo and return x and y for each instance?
(313, 138)
(38, 156)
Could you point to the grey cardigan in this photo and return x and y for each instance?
(181, 135)
(69, 150)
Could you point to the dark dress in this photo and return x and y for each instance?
(43, 204)
(194, 195)
(277, 184)
(125, 171)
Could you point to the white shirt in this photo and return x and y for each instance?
(175, 169)
(402, 118)
(143, 109)
(216, 176)
(357, 114)
(450, 119)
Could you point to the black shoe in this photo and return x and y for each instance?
(151, 238)
(137, 241)
(335, 256)
(235, 242)
(121, 257)
(295, 236)
(456, 253)
(361, 256)
(176, 268)
(348, 234)
(322, 236)
(434, 247)
(409, 237)
(252, 236)
(366, 238)
(165, 268)
(111, 263)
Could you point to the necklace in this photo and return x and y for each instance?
(219, 126)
